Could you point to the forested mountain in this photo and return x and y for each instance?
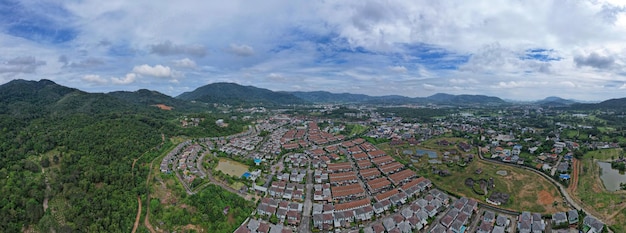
(235, 94)
(554, 101)
(327, 97)
(71, 153)
(607, 105)
(144, 97)
(440, 98)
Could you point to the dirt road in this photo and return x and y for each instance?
(138, 215)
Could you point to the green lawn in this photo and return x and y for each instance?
(524, 194)
(604, 154)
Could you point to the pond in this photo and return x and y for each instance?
(232, 168)
(431, 154)
(611, 178)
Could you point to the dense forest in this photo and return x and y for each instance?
(72, 152)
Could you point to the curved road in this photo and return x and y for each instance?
(561, 188)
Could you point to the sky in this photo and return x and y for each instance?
(512, 49)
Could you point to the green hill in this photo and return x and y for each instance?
(235, 94)
(75, 150)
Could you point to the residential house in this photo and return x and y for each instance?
(457, 227)
(438, 229)
(378, 228)
(322, 220)
(364, 213)
(502, 221)
(416, 222)
(489, 217)
(559, 218)
(446, 221)
(281, 214)
(572, 216)
(594, 225)
(293, 217)
(263, 227)
(485, 227)
(389, 224)
(498, 229)
(431, 210)
(404, 227)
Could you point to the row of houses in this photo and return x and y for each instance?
(492, 224)
(412, 217)
(458, 217)
(261, 226)
(286, 211)
(288, 191)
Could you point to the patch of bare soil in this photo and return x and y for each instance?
(138, 216)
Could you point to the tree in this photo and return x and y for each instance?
(45, 162)
(274, 219)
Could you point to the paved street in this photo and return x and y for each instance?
(308, 204)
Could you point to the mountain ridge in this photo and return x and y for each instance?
(48, 92)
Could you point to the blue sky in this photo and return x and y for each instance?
(522, 50)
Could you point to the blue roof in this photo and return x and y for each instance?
(564, 176)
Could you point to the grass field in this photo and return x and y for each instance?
(610, 206)
(604, 154)
(529, 191)
(232, 168)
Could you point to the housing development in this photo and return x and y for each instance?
(377, 172)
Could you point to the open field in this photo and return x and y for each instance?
(610, 206)
(529, 191)
(604, 154)
(232, 168)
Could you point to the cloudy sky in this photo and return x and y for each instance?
(522, 50)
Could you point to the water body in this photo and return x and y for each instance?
(431, 154)
(611, 178)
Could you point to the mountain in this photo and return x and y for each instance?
(21, 98)
(144, 97)
(327, 97)
(613, 103)
(554, 101)
(235, 94)
(440, 98)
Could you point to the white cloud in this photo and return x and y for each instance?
(185, 63)
(463, 81)
(276, 77)
(366, 46)
(241, 50)
(398, 69)
(22, 64)
(155, 71)
(128, 79)
(167, 48)
(429, 87)
(92, 78)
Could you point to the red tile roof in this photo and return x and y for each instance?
(352, 205)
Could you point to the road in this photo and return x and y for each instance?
(557, 166)
(305, 224)
(561, 188)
